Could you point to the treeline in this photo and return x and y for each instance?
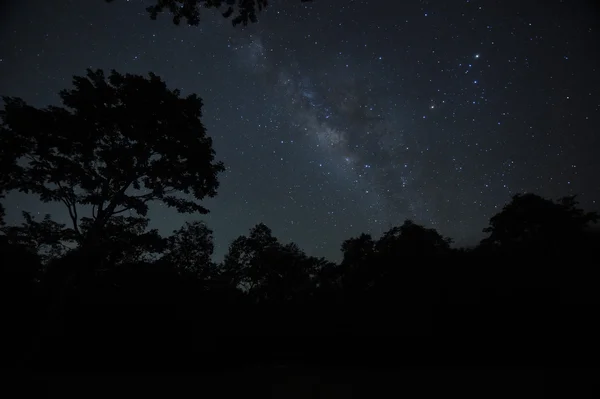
(107, 291)
(118, 302)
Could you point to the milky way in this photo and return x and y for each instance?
(340, 117)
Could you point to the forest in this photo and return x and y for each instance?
(106, 289)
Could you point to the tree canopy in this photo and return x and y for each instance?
(240, 11)
(269, 270)
(383, 286)
(191, 248)
(48, 239)
(119, 143)
(530, 221)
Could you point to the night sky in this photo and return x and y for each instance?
(340, 117)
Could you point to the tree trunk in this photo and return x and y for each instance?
(67, 274)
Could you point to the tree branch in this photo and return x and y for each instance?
(110, 210)
(122, 210)
(70, 204)
(103, 194)
(145, 199)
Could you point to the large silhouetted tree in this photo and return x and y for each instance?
(530, 223)
(240, 11)
(119, 143)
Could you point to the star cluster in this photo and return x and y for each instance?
(340, 117)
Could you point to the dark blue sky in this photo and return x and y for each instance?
(340, 117)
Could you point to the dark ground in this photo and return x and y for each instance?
(325, 382)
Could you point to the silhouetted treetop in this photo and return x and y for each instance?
(358, 248)
(413, 239)
(119, 143)
(190, 248)
(241, 11)
(240, 263)
(368, 263)
(530, 220)
(267, 270)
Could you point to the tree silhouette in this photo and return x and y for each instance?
(545, 236)
(370, 264)
(530, 223)
(358, 250)
(359, 263)
(48, 239)
(242, 11)
(240, 264)
(118, 144)
(289, 274)
(396, 285)
(126, 240)
(268, 270)
(190, 249)
(412, 239)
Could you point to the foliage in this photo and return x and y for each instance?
(191, 248)
(368, 264)
(399, 284)
(48, 239)
(530, 221)
(268, 270)
(411, 238)
(241, 264)
(242, 11)
(118, 144)
(126, 240)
